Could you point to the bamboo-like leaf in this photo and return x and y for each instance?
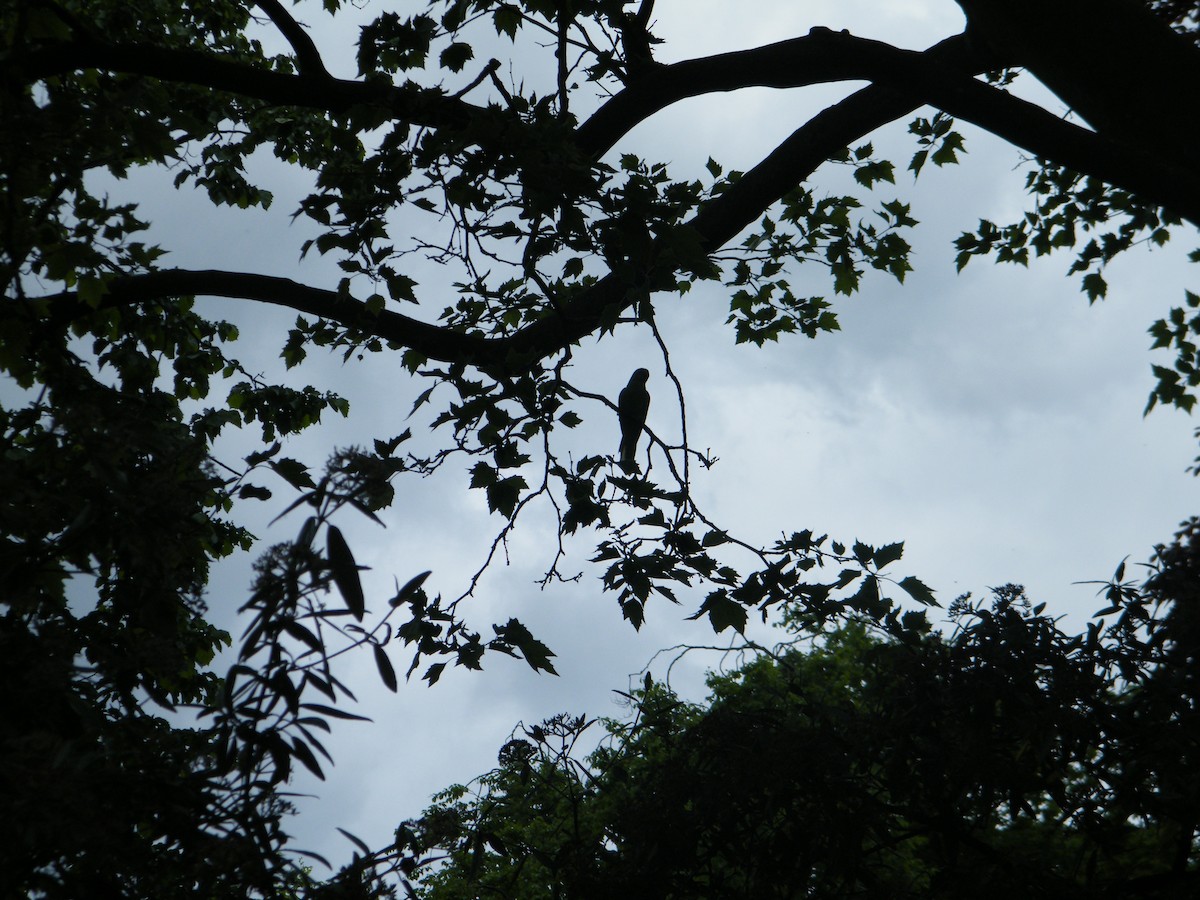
(305, 755)
(345, 572)
(386, 672)
(410, 588)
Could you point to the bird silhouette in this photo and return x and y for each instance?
(632, 406)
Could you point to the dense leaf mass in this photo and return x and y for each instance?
(1007, 757)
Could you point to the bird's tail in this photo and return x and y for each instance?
(627, 456)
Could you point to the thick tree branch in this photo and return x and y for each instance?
(724, 218)
(308, 58)
(716, 224)
(818, 58)
(1152, 176)
(1024, 124)
(429, 340)
(1116, 64)
(940, 76)
(421, 106)
(513, 353)
(904, 80)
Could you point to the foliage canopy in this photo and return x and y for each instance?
(1005, 758)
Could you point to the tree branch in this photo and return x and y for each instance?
(421, 106)
(716, 224)
(904, 80)
(722, 219)
(818, 58)
(429, 340)
(940, 76)
(1113, 62)
(1151, 176)
(308, 58)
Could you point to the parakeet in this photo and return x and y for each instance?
(632, 406)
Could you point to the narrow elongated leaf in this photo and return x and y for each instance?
(298, 631)
(345, 572)
(332, 711)
(355, 841)
(410, 589)
(386, 672)
(302, 753)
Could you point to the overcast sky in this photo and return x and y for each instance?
(991, 420)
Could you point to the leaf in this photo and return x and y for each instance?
(919, 591)
(254, 492)
(534, 651)
(262, 455)
(345, 572)
(400, 287)
(433, 673)
(504, 494)
(308, 531)
(366, 851)
(507, 19)
(889, 553)
(456, 56)
(482, 475)
(305, 755)
(299, 501)
(302, 634)
(845, 277)
(723, 612)
(867, 598)
(387, 448)
(386, 672)
(293, 472)
(872, 172)
(1094, 286)
(421, 400)
(333, 711)
(410, 589)
(947, 153)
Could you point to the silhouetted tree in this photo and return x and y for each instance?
(114, 501)
(1007, 757)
